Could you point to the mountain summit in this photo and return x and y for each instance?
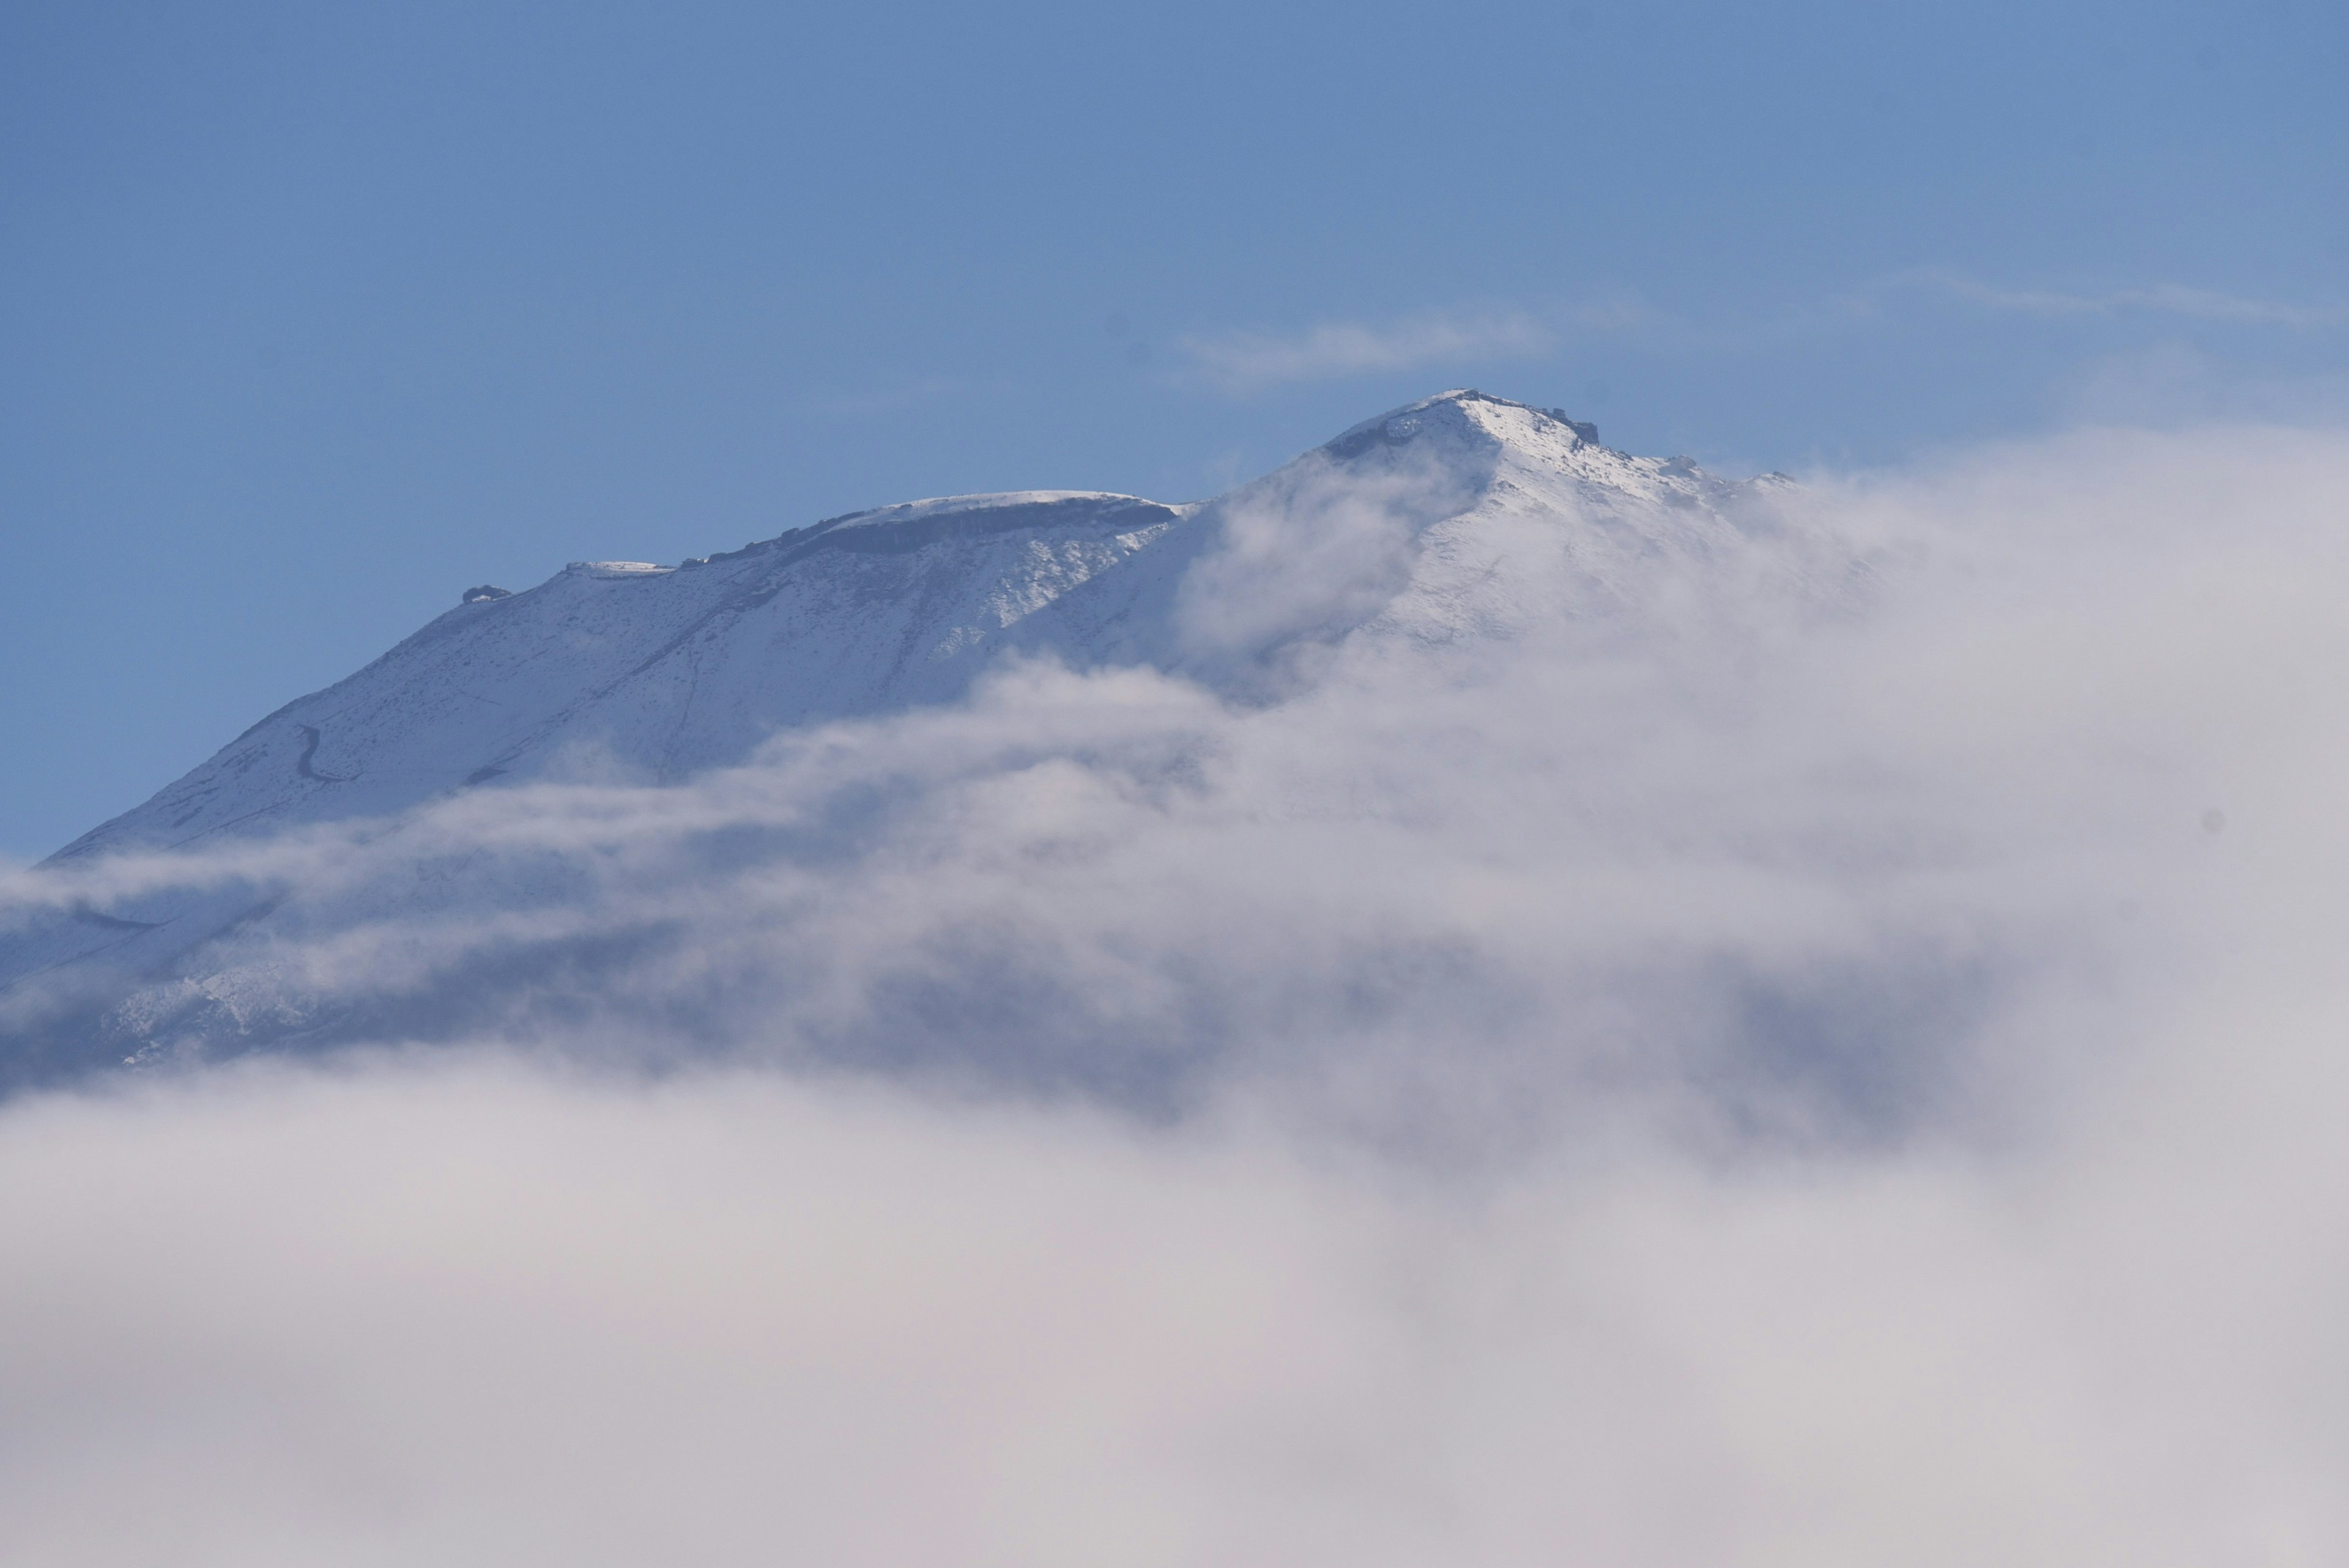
(1458, 516)
(663, 671)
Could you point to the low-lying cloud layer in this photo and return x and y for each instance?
(468, 1313)
(1768, 1075)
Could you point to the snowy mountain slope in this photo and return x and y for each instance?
(663, 671)
(1456, 517)
(667, 669)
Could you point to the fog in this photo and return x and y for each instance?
(1832, 1058)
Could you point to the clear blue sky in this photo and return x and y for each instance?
(314, 314)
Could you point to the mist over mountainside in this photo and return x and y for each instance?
(1280, 989)
(1457, 519)
(1474, 994)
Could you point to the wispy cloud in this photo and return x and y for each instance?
(1241, 362)
(1244, 361)
(2157, 299)
(883, 400)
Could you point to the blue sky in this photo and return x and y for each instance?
(313, 316)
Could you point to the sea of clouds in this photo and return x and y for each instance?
(1774, 1075)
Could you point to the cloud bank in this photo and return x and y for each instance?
(470, 1312)
(1815, 1063)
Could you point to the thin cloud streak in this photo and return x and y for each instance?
(2161, 299)
(1243, 362)
(895, 399)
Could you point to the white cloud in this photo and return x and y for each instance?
(909, 394)
(1312, 548)
(1239, 362)
(1763, 1078)
(2159, 299)
(465, 1312)
(1244, 361)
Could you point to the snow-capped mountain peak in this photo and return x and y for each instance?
(662, 670)
(1458, 516)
